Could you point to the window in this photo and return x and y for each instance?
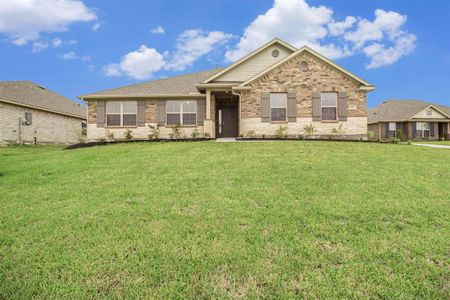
(181, 113)
(278, 105)
(423, 129)
(121, 113)
(392, 126)
(329, 104)
(28, 118)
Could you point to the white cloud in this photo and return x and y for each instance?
(383, 40)
(291, 20)
(96, 26)
(193, 44)
(338, 28)
(39, 46)
(56, 42)
(73, 56)
(139, 64)
(158, 30)
(25, 20)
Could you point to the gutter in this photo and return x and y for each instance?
(172, 96)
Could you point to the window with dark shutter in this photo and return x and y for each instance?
(329, 106)
(278, 106)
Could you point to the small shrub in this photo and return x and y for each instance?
(176, 131)
(251, 133)
(109, 135)
(340, 131)
(154, 132)
(195, 134)
(281, 132)
(309, 130)
(241, 135)
(300, 137)
(128, 134)
(400, 135)
(206, 135)
(395, 140)
(263, 136)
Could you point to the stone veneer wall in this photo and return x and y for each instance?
(94, 133)
(46, 127)
(289, 77)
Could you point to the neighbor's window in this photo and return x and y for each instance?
(278, 106)
(329, 104)
(121, 113)
(423, 129)
(181, 112)
(392, 126)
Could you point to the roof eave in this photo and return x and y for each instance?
(135, 96)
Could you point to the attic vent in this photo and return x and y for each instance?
(304, 66)
(275, 53)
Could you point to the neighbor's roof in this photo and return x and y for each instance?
(177, 85)
(401, 110)
(29, 94)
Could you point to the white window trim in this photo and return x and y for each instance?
(121, 115)
(275, 106)
(328, 106)
(390, 127)
(423, 130)
(181, 113)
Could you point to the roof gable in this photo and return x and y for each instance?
(434, 113)
(253, 63)
(366, 84)
(29, 94)
(402, 110)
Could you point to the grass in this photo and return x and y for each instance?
(225, 220)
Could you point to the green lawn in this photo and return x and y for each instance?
(225, 220)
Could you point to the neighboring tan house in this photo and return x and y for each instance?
(276, 85)
(32, 114)
(416, 120)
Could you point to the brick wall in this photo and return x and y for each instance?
(46, 127)
(319, 76)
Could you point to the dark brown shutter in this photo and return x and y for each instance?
(386, 128)
(161, 112)
(414, 129)
(342, 106)
(316, 106)
(432, 129)
(201, 112)
(140, 118)
(265, 107)
(101, 113)
(292, 107)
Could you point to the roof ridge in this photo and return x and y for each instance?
(156, 80)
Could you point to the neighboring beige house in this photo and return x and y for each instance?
(415, 120)
(276, 85)
(31, 114)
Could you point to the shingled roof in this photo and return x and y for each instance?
(401, 110)
(177, 85)
(29, 94)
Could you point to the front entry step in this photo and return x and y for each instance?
(226, 140)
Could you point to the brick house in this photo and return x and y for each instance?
(275, 85)
(32, 114)
(412, 119)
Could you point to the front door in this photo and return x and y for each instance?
(230, 120)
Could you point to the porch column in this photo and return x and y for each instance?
(208, 105)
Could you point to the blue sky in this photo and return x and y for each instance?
(77, 47)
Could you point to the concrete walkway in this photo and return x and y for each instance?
(433, 146)
(225, 140)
